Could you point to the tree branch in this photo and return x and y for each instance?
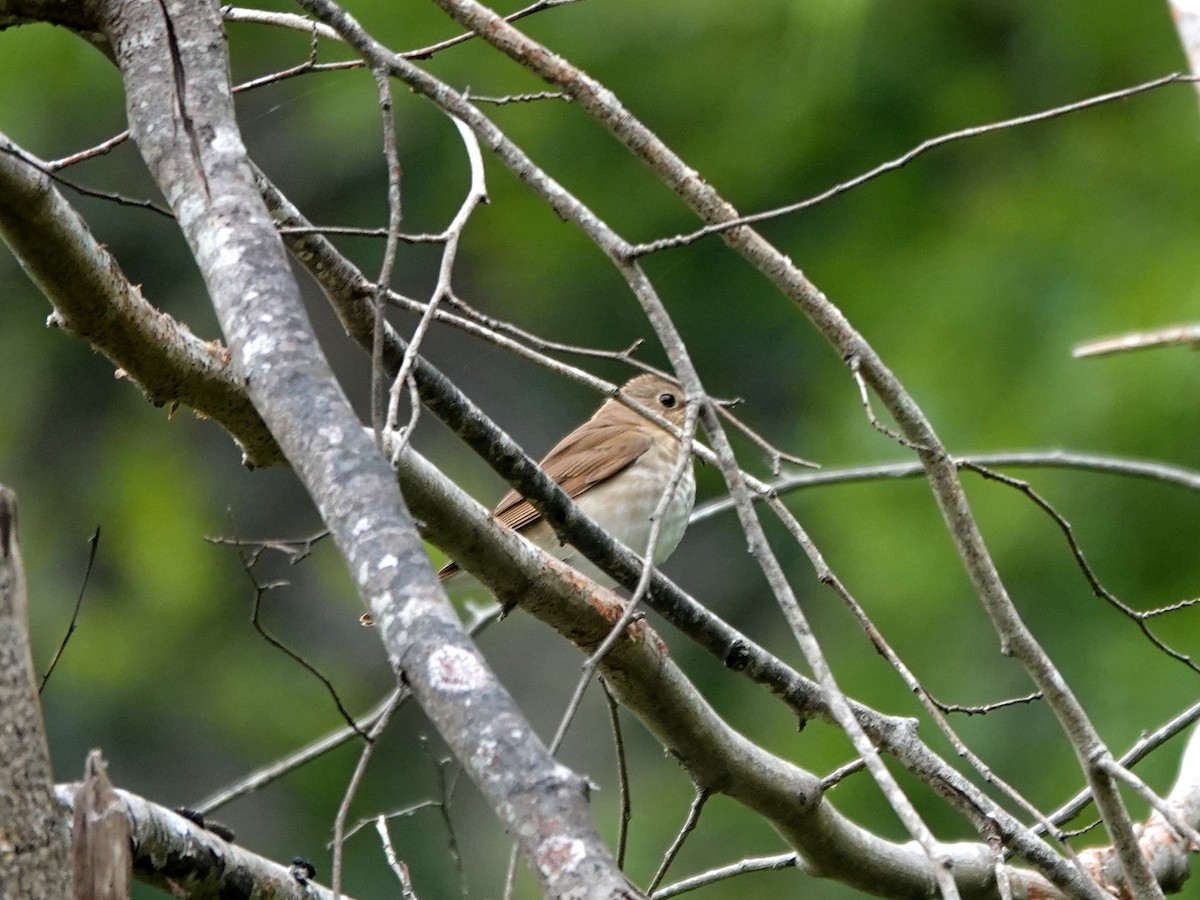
(708, 204)
(176, 854)
(716, 757)
(94, 300)
(173, 63)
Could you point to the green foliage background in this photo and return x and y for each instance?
(973, 270)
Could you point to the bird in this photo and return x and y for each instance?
(616, 467)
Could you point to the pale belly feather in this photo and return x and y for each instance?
(623, 507)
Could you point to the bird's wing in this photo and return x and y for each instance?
(580, 461)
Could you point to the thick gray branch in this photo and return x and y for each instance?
(93, 299)
(172, 59)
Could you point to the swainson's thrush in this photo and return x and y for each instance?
(615, 466)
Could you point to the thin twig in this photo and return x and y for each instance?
(1188, 335)
(984, 709)
(398, 867)
(295, 549)
(260, 590)
(905, 158)
(491, 327)
(774, 454)
(864, 397)
(743, 867)
(426, 52)
(689, 825)
(317, 31)
(510, 873)
(379, 408)
(93, 543)
(623, 796)
(401, 813)
(841, 773)
(290, 21)
(339, 822)
(1085, 567)
(100, 149)
(355, 231)
(260, 778)
(1048, 459)
(476, 195)
(522, 98)
(446, 786)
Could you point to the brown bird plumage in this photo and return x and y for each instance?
(616, 466)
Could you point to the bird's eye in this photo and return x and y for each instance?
(667, 400)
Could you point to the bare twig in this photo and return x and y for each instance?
(689, 825)
(260, 591)
(1187, 335)
(279, 20)
(260, 778)
(1089, 574)
(864, 397)
(446, 786)
(841, 773)
(398, 867)
(539, 6)
(904, 159)
(360, 769)
(295, 549)
(774, 454)
(379, 403)
(623, 796)
(403, 812)
(93, 543)
(522, 98)
(99, 150)
(318, 748)
(476, 195)
(743, 867)
(1048, 459)
(984, 709)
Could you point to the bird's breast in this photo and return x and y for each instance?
(625, 503)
